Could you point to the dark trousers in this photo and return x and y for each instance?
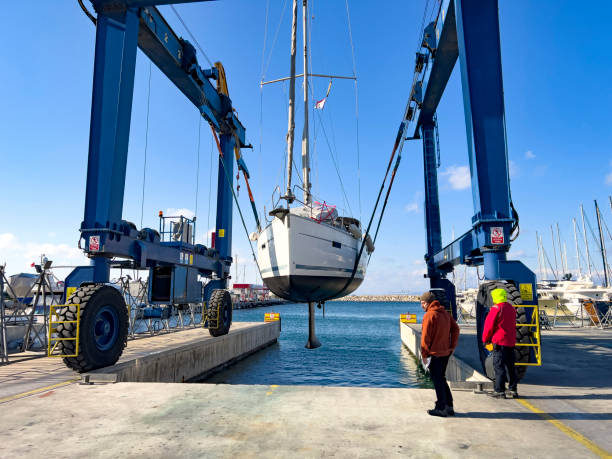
(437, 370)
(503, 363)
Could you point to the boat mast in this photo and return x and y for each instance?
(539, 257)
(563, 269)
(586, 244)
(305, 159)
(552, 237)
(290, 131)
(577, 251)
(602, 246)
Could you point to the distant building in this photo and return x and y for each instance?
(250, 292)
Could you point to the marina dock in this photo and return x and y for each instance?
(570, 391)
(171, 357)
(567, 416)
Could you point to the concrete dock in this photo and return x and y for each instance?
(572, 390)
(559, 418)
(170, 357)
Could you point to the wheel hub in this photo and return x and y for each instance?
(106, 328)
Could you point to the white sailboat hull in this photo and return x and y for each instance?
(304, 260)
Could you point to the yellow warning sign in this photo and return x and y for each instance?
(221, 233)
(271, 317)
(526, 292)
(70, 291)
(408, 318)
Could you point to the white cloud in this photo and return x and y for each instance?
(411, 207)
(19, 255)
(609, 176)
(513, 169)
(7, 240)
(458, 177)
(529, 154)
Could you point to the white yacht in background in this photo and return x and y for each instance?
(570, 295)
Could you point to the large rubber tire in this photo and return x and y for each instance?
(484, 302)
(220, 298)
(103, 328)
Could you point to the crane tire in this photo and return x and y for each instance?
(103, 327)
(523, 334)
(221, 299)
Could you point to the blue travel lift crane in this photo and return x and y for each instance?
(96, 321)
(469, 30)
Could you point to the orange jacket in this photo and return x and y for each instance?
(440, 332)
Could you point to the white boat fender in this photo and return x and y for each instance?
(254, 236)
(354, 231)
(369, 244)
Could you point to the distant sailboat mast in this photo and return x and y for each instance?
(586, 243)
(305, 156)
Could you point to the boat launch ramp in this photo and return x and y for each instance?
(564, 410)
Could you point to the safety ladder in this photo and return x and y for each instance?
(534, 339)
(53, 341)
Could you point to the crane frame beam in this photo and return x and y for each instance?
(122, 26)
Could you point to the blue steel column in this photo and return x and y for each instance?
(483, 100)
(432, 201)
(111, 108)
(433, 227)
(225, 180)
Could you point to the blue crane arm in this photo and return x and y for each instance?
(122, 27)
(446, 52)
(138, 3)
(176, 58)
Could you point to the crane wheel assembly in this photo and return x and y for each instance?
(484, 302)
(102, 328)
(219, 312)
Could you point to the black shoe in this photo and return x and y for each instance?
(497, 394)
(450, 411)
(436, 412)
(512, 394)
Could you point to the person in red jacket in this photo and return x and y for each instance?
(439, 337)
(500, 330)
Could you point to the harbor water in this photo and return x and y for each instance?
(361, 346)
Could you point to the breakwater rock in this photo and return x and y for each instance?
(379, 298)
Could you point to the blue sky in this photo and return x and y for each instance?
(556, 70)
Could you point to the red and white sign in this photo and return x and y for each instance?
(497, 235)
(94, 243)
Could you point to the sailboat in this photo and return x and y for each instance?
(309, 253)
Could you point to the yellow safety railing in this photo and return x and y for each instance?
(271, 317)
(408, 318)
(52, 341)
(535, 343)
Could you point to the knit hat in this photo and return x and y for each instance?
(428, 297)
(499, 296)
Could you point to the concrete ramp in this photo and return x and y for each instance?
(193, 355)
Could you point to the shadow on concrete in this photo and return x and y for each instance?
(570, 358)
(525, 416)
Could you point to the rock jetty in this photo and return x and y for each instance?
(379, 298)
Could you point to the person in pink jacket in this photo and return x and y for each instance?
(500, 330)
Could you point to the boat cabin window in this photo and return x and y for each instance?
(336, 244)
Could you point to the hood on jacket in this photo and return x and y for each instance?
(435, 306)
